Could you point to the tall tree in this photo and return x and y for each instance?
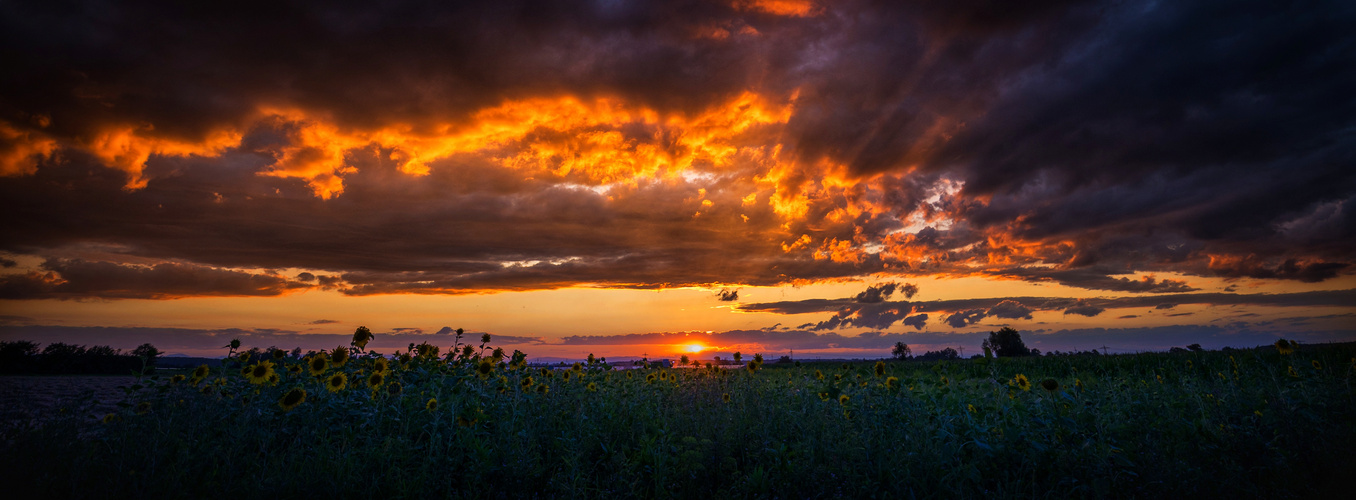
(901, 351)
(1006, 342)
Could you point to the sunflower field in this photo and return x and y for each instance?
(475, 422)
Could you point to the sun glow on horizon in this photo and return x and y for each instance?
(694, 348)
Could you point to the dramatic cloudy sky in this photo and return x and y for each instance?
(632, 177)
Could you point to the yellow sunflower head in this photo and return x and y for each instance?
(177, 378)
(361, 336)
(892, 383)
(880, 368)
(381, 365)
(819, 375)
(1284, 347)
(292, 398)
(526, 383)
(543, 388)
(1021, 382)
(339, 356)
(259, 373)
(431, 405)
(592, 387)
(316, 365)
(394, 388)
(201, 372)
(375, 380)
(843, 399)
(336, 382)
(484, 368)
(1316, 364)
(725, 397)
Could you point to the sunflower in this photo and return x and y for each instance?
(273, 379)
(526, 383)
(592, 387)
(294, 369)
(375, 380)
(293, 398)
(843, 399)
(823, 396)
(110, 418)
(1050, 384)
(1078, 384)
(970, 408)
(485, 339)
(543, 388)
(1316, 364)
(880, 369)
(1021, 382)
(566, 376)
(143, 407)
(317, 365)
(177, 378)
(1291, 372)
(361, 336)
(752, 367)
(649, 379)
(464, 421)
(260, 372)
(819, 375)
(394, 388)
(892, 383)
(381, 365)
(339, 356)
(201, 372)
(484, 368)
(945, 381)
(1284, 347)
(431, 405)
(336, 382)
(725, 397)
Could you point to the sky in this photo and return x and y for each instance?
(803, 178)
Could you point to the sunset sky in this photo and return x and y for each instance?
(642, 178)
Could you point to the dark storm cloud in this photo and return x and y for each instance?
(966, 312)
(74, 279)
(1010, 309)
(1209, 138)
(1083, 308)
(727, 295)
(917, 321)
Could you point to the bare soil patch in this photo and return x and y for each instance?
(34, 398)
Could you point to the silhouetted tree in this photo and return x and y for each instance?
(1006, 342)
(1195, 348)
(901, 351)
(947, 354)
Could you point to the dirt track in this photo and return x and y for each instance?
(36, 397)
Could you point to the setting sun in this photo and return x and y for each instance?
(694, 348)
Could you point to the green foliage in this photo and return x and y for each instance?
(1242, 423)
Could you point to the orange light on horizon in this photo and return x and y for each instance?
(694, 348)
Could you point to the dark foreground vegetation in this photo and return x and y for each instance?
(1266, 422)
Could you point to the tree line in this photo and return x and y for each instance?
(1004, 343)
(59, 358)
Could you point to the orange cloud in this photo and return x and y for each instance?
(791, 8)
(21, 150)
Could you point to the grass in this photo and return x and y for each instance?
(1241, 423)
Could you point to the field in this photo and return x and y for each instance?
(1239, 423)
